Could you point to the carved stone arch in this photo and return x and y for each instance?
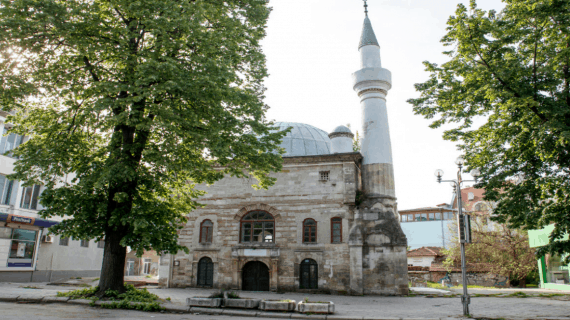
(258, 206)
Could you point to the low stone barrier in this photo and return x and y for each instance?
(243, 303)
(316, 307)
(204, 302)
(277, 305)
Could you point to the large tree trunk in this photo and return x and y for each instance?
(113, 269)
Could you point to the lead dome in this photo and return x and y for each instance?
(304, 140)
(342, 129)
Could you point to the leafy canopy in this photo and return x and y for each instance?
(130, 104)
(510, 70)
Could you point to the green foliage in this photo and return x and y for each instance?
(233, 295)
(219, 294)
(356, 142)
(130, 105)
(503, 250)
(133, 298)
(510, 72)
(79, 294)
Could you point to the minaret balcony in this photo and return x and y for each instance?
(370, 78)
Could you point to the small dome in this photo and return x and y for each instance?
(304, 140)
(342, 129)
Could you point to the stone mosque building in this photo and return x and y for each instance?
(330, 222)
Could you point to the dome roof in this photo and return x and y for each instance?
(304, 140)
(342, 129)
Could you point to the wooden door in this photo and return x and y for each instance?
(255, 276)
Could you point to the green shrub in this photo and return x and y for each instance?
(133, 298)
(233, 295)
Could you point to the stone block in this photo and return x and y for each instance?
(277, 315)
(55, 299)
(277, 305)
(31, 298)
(176, 308)
(243, 313)
(306, 316)
(204, 302)
(311, 307)
(79, 301)
(200, 310)
(243, 303)
(4, 297)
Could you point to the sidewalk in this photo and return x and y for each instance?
(347, 307)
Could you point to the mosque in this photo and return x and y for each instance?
(329, 224)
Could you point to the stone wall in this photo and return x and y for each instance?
(297, 195)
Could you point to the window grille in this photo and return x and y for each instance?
(85, 243)
(63, 241)
(336, 230)
(206, 230)
(257, 226)
(324, 175)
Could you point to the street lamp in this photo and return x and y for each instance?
(463, 222)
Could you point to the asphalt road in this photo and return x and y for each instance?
(56, 311)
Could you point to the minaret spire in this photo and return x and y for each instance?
(365, 8)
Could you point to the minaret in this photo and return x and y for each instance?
(372, 83)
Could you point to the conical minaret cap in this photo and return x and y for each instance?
(368, 37)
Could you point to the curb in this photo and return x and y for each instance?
(172, 308)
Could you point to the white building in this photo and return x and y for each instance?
(27, 252)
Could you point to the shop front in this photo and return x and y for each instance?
(19, 241)
(554, 274)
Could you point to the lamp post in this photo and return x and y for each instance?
(463, 222)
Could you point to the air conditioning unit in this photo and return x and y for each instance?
(48, 238)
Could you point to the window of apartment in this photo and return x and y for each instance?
(448, 216)
(324, 175)
(146, 266)
(438, 216)
(30, 197)
(309, 231)
(9, 141)
(63, 241)
(85, 243)
(6, 187)
(206, 230)
(336, 230)
(101, 244)
(257, 226)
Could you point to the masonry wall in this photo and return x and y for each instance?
(297, 195)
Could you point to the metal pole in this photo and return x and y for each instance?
(465, 297)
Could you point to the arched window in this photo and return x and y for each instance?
(309, 231)
(309, 274)
(205, 272)
(336, 230)
(257, 226)
(206, 230)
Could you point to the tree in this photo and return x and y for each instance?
(511, 72)
(504, 251)
(129, 105)
(356, 143)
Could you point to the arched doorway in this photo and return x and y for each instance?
(309, 277)
(255, 276)
(205, 272)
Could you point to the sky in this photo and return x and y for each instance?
(312, 51)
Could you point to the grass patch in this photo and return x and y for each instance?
(233, 295)
(517, 294)
(95, 279)
(29, 287)
(133, 298)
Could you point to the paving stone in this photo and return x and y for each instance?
(176, 308)
(80, 301)
(34, 299)
(341, 317)
(55, 299)
(306, 316)
(206, 310)
(279, 315)
(4, 297)
(243, 313)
